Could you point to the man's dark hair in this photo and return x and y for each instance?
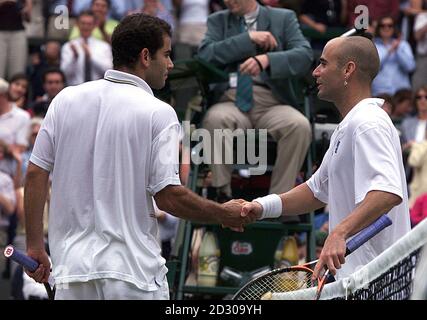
(53, 70)
(86, 13)
(134, 33)
(19, 76)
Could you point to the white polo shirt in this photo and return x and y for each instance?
(364, 155)
(111, 145)
(15, 126)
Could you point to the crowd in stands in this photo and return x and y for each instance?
(38, 58)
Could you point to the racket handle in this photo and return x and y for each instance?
(21, 258)
(367, 233)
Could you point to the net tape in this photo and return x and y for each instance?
(389, 276)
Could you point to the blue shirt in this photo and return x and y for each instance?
(395, 68)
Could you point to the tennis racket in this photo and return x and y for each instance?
(28, 263)
(299, 277)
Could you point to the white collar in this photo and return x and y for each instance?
(127, 78)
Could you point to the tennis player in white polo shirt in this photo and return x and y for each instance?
(361, 176)
(111, 146)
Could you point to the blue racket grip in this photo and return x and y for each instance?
(376, 227)
(21, 258)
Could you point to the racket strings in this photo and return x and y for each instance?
(279, 282)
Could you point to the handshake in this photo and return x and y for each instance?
(239, 212)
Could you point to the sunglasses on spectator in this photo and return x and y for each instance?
(419, 97)
(386, 25)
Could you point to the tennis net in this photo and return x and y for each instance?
(390, 276)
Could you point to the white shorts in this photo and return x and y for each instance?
(109, 289)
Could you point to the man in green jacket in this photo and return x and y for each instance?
(264, 51)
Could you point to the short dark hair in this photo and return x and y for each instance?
(53, 70)
(19, 76)
(86, 13)
(134, 33)
(363, 52)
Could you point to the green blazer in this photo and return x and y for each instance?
(226, 47)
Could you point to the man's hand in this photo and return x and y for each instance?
(264, 39)
(394, 45)
(252, 209)
(320, 27)
(26, 12)
(332, 256)
(235, 220)
(42, 273)
(251, 66)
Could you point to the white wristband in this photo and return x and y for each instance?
(272, 206)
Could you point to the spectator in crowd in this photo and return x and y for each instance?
(397, 60)
(124, 7)
(409, 10)
(14, 122)
(86, 58)
(104, 26)
(10, 177)
(267, 50)
(192, 18)
(414, 128)
(7, 190)
(403, 107)
(418, 211)
(156, 8)
(418, 161)
(53, 82)
(47, 57)
(13, 40)
(420, 28)
(116, 7)
(18, 90)
(7, 202)
(130, 6)
(193, 15)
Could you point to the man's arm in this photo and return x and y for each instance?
(222, 51)
(36, 189)
(370, 209)
(299, 200)
(183, 203)
(296, 59)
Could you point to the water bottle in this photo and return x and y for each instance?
(208, 260)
